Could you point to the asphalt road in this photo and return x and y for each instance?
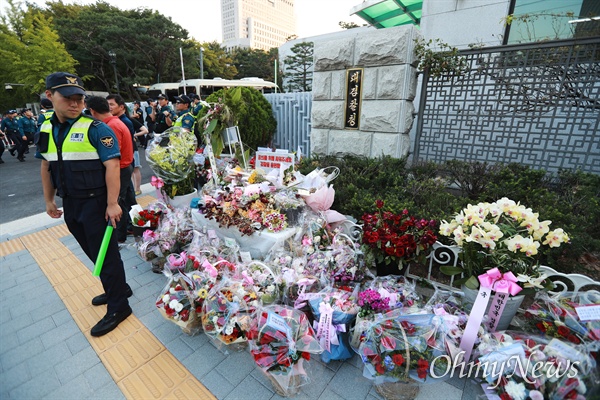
(21, 186)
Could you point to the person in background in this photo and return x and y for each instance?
(45, 113)
(162, 114)
(27, 128)
(2, 139)
(100, 110)
(138, 115)
(140, 131)
(150, 124)
(80, 163)
(10, 127)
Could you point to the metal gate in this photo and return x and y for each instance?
(536, 104)
(292, 112)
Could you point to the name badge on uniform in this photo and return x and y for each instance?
(76, 137)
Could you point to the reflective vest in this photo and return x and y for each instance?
(179, 121)
(75, 165)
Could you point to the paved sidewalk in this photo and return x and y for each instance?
(46, 351)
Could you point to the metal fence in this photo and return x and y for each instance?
(292, 112)
(535, 104)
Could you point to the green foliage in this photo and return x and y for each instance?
(254, 63)
(298, 67)
(570, 199)
(250, 111)
(438, 58)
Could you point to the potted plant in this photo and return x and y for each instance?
(171, 155)
(503, 235)
(391, 240)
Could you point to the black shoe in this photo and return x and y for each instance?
(110, 322)
(12, 152)
(26, 151)
(102, 298)
(22, 159)
(1, 161)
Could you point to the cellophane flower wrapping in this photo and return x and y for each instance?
(259, 278)
(556, 316)
(171, 155)
(175, 304)
(281, 342)
(536, 367)
(347, 266)
(400, 347)
(228, 310)
(334, 311)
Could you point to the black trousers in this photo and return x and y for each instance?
(85, 220)
(126, 201)
(20, 144)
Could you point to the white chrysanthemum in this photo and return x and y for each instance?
(174, 304)
(515, 390)
(166, 298)
(229, 330)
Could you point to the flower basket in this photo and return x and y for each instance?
(398, 390)
(287, 385)
(175, 305)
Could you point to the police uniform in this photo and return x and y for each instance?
(186, 120)
(161, 118)
(27, 127)
(11, 128)
(76, 150)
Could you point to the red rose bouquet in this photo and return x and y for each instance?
(281, 341)
(398, 347)
(398, 238)
(175, 305)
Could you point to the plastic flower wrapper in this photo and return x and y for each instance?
(347, 266)
(281, 342)
(259, 278)
(556, 316)
(334, 311)
(402, 347)
(291, 205)
(175, 305)
(535, 367)
(227, 313)
(401, 292)
(205, 276)
(171, 157)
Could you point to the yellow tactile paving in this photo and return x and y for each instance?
(145, 200)
(140, 365)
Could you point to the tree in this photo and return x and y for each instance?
(298, 67)
(217, 63)
(349, 25)
(30, 49)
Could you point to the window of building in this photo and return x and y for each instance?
(535, 20)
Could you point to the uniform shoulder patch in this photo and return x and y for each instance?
(96, 123)
(107, 141)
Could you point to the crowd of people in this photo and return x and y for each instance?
(88, 147)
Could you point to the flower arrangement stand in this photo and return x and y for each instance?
(577, 280)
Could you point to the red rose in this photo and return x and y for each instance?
(505, 396)
(380, 369)
(422, 373)
(379, 204)
(573, 339)
(563, 331)
(398, 359)
(305, 355)
(541, 326)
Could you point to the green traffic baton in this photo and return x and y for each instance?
(103, 248)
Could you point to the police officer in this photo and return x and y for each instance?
(185, 119)
(163, 115)
(80, 163)
(10, 127)
(27, 128)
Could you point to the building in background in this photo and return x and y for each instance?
(257, 24)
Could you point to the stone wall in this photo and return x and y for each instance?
(388, 90)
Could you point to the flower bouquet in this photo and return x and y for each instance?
(281, 341)
(259, 278)
(334, 311)
(205, 276)
(171, 155)
(558, 317)
(227, 312)
(143, 219)
(396, 239)
(346, 268)
(175, 305)
(503, 235)
(516, 365)
(402, 348)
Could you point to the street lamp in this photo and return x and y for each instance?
(113, 61)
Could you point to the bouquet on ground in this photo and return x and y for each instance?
(559, 317)
(259, 278)
(281, 341)
(402, 347)
(145, 218)
(504, 235)
(395, 238)
(175, 304)
(171, 158)
(334, 311)
(535, 367)
(347, 267)
(227, 313)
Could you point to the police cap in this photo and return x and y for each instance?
(65, 83)
(46, 103)
(183, 99)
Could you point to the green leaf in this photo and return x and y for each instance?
(472, 283)
(451, 271)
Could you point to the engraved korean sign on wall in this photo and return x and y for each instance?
(353, 97)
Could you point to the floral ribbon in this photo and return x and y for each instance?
(504, 285)
(158, 184)
(210, 269)
(392, 296)
(326, 330)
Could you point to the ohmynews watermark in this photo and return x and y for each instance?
(529, 370)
